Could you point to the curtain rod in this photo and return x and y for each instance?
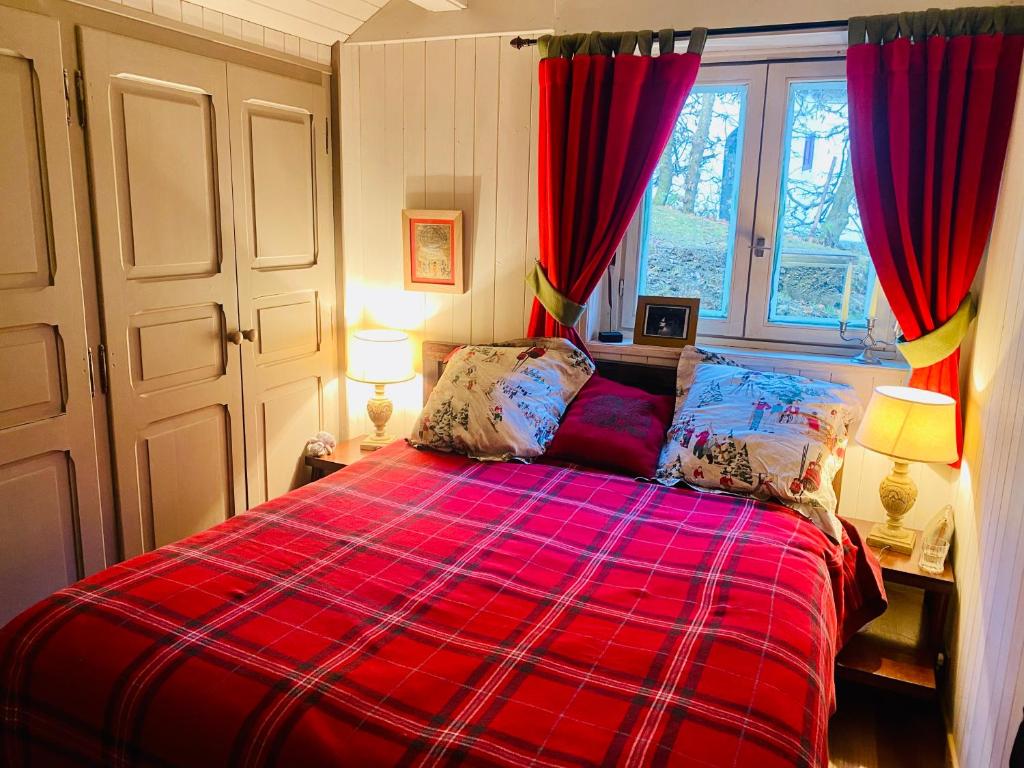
(800, 26)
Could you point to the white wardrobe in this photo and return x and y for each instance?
(51, 528)
(210, 201)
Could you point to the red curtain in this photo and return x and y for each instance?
(604, 122)
(929, 122)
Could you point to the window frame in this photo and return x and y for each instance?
(747, 323)
(753, 77)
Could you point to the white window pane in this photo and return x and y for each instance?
(690, 210)
(819, 243)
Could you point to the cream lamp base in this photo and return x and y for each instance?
(898, 493)
(379, 408)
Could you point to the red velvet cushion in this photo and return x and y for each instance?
(615, 427)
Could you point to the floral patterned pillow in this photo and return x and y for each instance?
(497, 402)
(768, 435)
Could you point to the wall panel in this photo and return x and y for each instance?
(987, 693)
(485, 175)
(457, 130)
(464, 182)
(439, 162)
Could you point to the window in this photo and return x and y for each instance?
(752, 208)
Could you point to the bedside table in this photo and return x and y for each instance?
(903, 649)
(345, 453)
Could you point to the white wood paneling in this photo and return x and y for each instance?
(439, 162)
(464, 181)
(988, 649)
(453, 123)
(312, 25)
(441, 124)
(516, 78)
(485, 175)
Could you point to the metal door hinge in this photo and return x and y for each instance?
(101, 352)
(92, 375)
(80, 97)
(67, 97)
(327, 135)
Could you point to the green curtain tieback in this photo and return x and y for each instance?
(564, 310)
(939, 344)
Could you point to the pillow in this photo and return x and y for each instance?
(498, 403)
(615, 427)
(768, 435)
(689, 359)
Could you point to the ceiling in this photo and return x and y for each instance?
(322, 21)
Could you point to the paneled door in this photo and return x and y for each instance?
(284, 239)
(160, 156)
(51, 531)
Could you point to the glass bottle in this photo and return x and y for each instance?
(935, 541)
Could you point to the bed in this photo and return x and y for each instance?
(423, 608)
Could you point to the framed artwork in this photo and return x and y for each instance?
(665, 321)
(432, 251)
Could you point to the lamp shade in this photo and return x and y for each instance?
(380, 357)
(910, 425)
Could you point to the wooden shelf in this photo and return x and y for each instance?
(902, 649)
(870, 659)
(896, 650)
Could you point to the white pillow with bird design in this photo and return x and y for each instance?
(773, 436)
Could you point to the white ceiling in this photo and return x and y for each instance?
(322, 21)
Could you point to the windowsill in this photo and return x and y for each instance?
(671, 354)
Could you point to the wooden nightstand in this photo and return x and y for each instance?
(903, 649)
(345, 453)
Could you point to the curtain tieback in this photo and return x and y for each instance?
(935, 346)
(564, 310)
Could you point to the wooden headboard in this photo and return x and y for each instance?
(657, 379)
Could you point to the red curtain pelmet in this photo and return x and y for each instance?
(929, 124)
(604, 122)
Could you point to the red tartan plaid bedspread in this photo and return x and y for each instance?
(424, 609)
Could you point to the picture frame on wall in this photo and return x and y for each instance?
(432, 251)
(666, 321)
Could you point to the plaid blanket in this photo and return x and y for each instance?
(424, 609)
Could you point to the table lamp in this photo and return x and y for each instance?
(379, 357)
(906, 424)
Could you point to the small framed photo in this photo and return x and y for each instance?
(666, 321)
(432, 251)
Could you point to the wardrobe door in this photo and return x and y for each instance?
(160, 157)
(283, 226)
(50, 521)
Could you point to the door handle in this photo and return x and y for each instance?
(759, 248)
(250, 335)
(234, 337)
